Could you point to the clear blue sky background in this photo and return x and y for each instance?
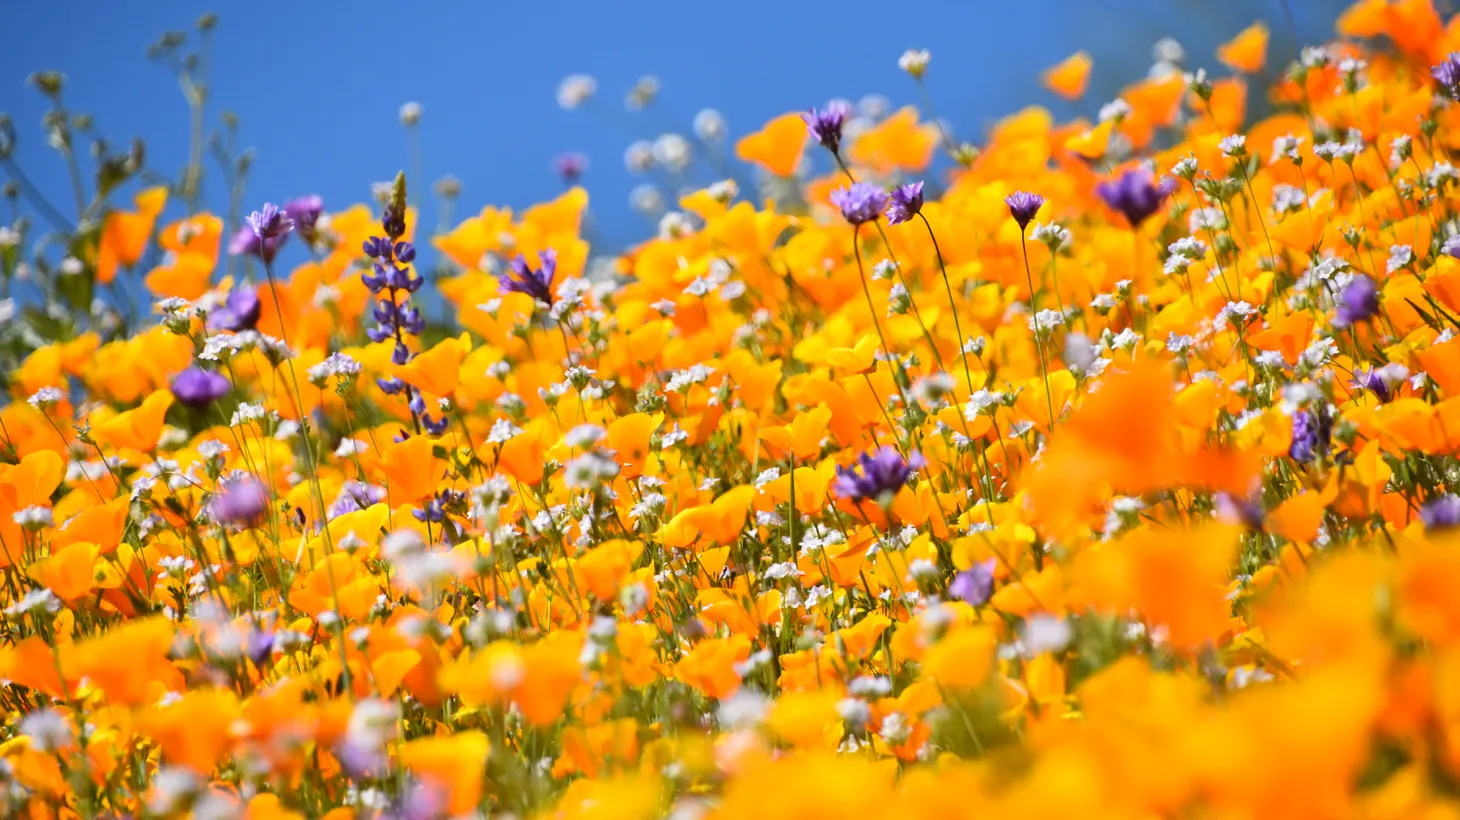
(318, 85)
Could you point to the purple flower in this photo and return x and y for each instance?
(198, 388)
(245, 241)
(860, 202)
(1023, 206)
(1312, 433)
(1373, 381)
(260, 647)
(825, 125)
(240, 311)
(269, 222)
(356, 495)
(1357, 303)
(305, 212)
(1441, 513)
(907, 202)
(975, 584)
(1245, 511)
(240, 501)
(1135, 194)
(570, 166)
(535, 283)
(1447, 75)
(876, 477)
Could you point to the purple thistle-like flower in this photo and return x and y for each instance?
(1357, 303)
(825, 125)
(878, 476)
(269, 222)
(1441, 513)
(538, 284)
(907, 202)
(570, 166)
(305, 211)
(1312, 434)
(974, 585)
(241, 501)
(860, 202)
(240, 311)
(1136, 194)
(198, 388)
(1023, 206)
(1373, 381)
(245, 242)
(1447, 75)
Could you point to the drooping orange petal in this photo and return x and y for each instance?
(777, 147)
(1069, 76)
(1247, 52)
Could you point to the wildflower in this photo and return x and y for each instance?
(672, 152)
(269, 222)
(1312, 432)
(1052, 235)
(825, 125)
(1441, 513)
(974, 585)
(240, 311)
(535, 283)
(1023, 206)
(1234, 145)
(1046, 633)
(198, 388)
(1447, 76)
(709, 125)
(240, 501)
(860, 202)
(1380, 380)
(570, 166)
(575, 90)
(877, 477)
(46, 397)
(1358, 302)
(1400, 256)
(907, 202)
(305, 212)
(915, 62)
(1135, 194)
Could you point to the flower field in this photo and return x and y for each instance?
(1110, 473)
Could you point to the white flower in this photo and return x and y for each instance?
(1046, 633)
(46, 397)
(1234, 145)
(1116, 109)
(1045, 321)
(1286, 147)
(575, 90)
(502, 431)
(915, 61)
(672, 151)
(1399, 257)
(584, 436)
(410, 114)
(709, 125)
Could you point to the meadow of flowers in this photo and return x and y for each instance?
(1110, 474)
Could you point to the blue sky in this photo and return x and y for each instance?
(318, 85)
